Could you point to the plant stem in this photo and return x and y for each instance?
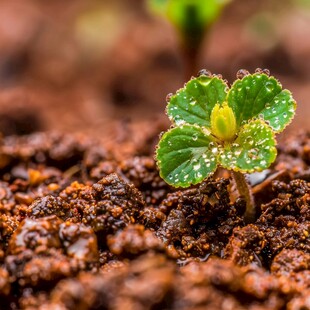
(190, 59)
(245, 191)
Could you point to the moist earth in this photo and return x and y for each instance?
(84, 225)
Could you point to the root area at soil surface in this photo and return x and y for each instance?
(84, 225)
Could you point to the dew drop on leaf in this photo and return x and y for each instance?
(249, 140)
(266, 71)
(269, 86)
(168, 97)
(242, 73)
(263, 162)
(204, 72)
(196, 167)
(214, 150)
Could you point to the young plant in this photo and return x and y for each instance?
(214, 125)
(192, 19)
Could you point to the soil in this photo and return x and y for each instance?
(81, 229)
(85, 220)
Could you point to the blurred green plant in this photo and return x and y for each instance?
(192, 19)
(215, 125)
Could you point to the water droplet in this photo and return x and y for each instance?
(193, 102)
(266, 71)
(285, 115)
(263, 162)
(205, 72)
(179, 122)
(249, 141)
(269, 86)
(195, 137)
(242, 73)
(259, 70)
(196, 167)
(214, 150)
(168, 97)
(199, 175)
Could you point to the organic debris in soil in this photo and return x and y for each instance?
(80, 229)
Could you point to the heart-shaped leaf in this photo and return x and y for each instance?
(253, 150)
(186, 155)
(259, 95)
(193, 103)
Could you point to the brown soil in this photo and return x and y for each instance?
(81, 229)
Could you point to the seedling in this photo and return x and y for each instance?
(217, 126)
(192, 19)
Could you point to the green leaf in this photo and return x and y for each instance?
(190, 14)
(259, 95)
(186, 155)
(193, 103)
(253, 150)
(191, 18)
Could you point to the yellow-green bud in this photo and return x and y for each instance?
(223, 122)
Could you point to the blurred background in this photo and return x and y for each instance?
(97, 66)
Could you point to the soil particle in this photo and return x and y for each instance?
(290, 261)
(143, 173)
(36, 235)
(246, 245)
(133, 241)
(285, 220)
(199, 220)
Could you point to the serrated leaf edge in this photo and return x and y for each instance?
(280, 84)
(214, 76)
(158, 162)
(254, 169)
